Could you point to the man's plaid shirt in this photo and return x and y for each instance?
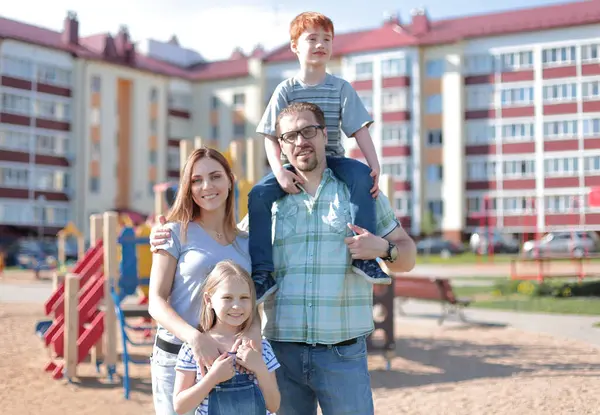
(320, 299)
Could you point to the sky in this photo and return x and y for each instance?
(216, 28)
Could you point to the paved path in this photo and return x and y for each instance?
(558, 325)
(15, 292)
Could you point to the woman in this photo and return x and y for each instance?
(203, 232)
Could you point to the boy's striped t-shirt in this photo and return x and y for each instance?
(343, 109)
(186, 361)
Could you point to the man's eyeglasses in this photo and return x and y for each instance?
(307, 132)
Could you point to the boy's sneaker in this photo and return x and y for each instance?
(371, 271)
(264, 284)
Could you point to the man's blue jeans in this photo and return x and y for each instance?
(337, 377)
(356, 175)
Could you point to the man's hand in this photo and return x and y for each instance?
(375, 172)
(288, 180)
(365, 245)
(159, 233)
(205, 349)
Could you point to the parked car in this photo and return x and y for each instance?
(439, 246)
(32, 254)
(501, 243)
(563, 243)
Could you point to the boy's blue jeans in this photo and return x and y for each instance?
(355, 174)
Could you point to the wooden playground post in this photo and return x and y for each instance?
(235, 150)
(111, 276)
(97, 353)
(253, 160)
(185, 149)
(71, 325)
(384, 295)
(198, 142)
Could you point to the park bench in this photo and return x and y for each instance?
(431, 289)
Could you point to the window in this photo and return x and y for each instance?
(560, 129)
(214, 132)
(153, 95)
(239, 100)
(559, 56)
(14, 140)
(396, 133)
(474, 204)
(394, 67)
(517, 96)
(54, 75)
(480, 97)
(518, 132)
(54, 110)
(478, 170)
(94, 185)
(393, 100)
(44, 179)
(560, 92)
(433, 104)
(434, 173)
(17, 67)
(560, 204)
(519, 168)
(153, 157)
(480, 132)
(239, 129)
(435, 68)
(479, 64)
(434, 138)
(16, 104)
(181, 101)
(173, 158)
(367, 100)
(591, 89)
(214, 102)
(96, 83)
(592, 164)
(153, 126)
(590, 53)
(151, 188)
(516, 61)
(363, 70)
(17, 177)
(436, 207)
(399, 170)
(591, 127)
(402, 205)
(95, 151)
(562, 166)
(518, 205)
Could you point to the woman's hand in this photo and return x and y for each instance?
(206, 350)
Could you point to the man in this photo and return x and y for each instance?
(321, 313)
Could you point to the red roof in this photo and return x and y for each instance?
(389, 36)
(516, 21)
(231, 68)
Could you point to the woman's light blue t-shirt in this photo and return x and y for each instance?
(195, 259)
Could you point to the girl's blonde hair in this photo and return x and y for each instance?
(185, 209)
(221, 272)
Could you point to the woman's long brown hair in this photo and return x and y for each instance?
(185, 209)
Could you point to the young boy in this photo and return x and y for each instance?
(311, 36)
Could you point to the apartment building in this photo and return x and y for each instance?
(492, 116)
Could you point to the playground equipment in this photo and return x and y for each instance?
(114, 267)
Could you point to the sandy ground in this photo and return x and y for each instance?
(461, 370)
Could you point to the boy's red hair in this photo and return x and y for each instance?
(309, 20)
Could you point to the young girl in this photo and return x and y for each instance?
(228, 305)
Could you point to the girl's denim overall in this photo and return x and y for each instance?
(237, 396)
